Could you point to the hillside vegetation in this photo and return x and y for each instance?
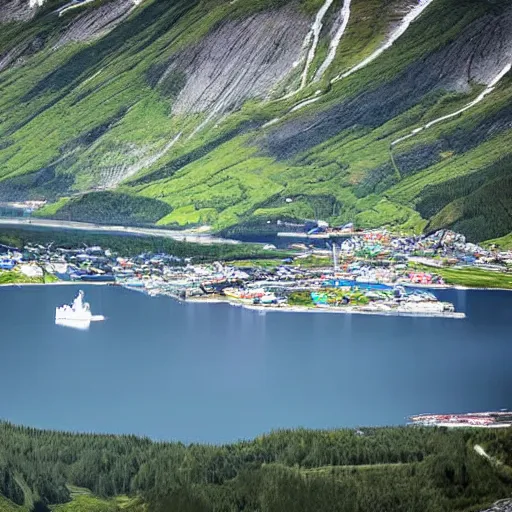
(132, 245)
(15, 277)
(388, 469)
(221, 113)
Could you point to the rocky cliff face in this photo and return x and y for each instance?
(501, 506)
(18, 10)
(478, 55)
(372, 111)
(239, 60)
(82, 24)
(97, 22)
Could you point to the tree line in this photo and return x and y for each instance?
(401, 468)
(132, 245)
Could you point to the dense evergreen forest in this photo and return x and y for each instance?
(131, 245)
(373, 469)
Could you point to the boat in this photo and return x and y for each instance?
(79, 311)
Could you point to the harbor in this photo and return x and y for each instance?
(374, 272)
(276, 289)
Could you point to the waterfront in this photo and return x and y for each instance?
(215, 373)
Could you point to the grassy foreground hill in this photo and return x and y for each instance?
(387, 469)
(220, 113)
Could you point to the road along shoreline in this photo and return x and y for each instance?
(180, 236)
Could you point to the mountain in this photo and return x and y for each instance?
(237, 113)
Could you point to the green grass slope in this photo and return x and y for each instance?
(475, 277)
(504, 242)
(93, 122)
(8, 506)
(8, 277)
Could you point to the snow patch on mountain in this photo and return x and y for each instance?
(335, 41)
(481, 53)
(409, 16)
(314, 35)
(305, 103)
(395, 35)
(73, 5)
(308, 49)
(470, 105)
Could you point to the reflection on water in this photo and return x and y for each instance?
(83, 325)
(215, 373)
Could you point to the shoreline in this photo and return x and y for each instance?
(453, 287)
(113, 283)
(56, 283)
(347, 310)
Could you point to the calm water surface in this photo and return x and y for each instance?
(215, 373)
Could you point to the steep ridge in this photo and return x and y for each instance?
(344, 17)
(97, 22)
(490, 87)
(241, 59)
(356, 110)
(18, 10)
(477, 56)
(393, 37)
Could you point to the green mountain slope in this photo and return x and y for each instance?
(8, 506)
(399, 469)
(234, 114)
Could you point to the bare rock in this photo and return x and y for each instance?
(18, 10)
(94, 23)
(477, 55)
(17, 55)
(10, 57)
(500, 506)
(480, 53)
(241, 59)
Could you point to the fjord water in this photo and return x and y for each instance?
(215, 373)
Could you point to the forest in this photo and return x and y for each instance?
(132, 245)
(379, 469)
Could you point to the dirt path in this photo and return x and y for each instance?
(480, 450)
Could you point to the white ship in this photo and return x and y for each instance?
(78, 314)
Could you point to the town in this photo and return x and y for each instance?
(375, 272)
